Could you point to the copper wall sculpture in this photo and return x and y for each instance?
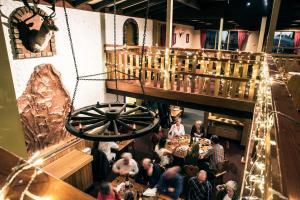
(43, 108)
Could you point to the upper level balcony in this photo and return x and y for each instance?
(221, 82)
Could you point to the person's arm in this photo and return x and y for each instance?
(208, 153)
(139, 177)
(161, 185)
(135, 168)
(155, 176)
(114, 145)
(182, 131)
(116, 167)
(178, 187)
(193, 130)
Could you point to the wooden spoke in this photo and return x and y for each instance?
(98, 110)
(135, 122)
(137, 118)
(124, 124)
(131, 111)
(85, 122)
(94, 126)
(84, 118)
(115, 128)
(122, 108)
(102, 129)
(143, 114)
(89, 114)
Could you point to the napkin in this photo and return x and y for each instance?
(119, 187)
(150, 192)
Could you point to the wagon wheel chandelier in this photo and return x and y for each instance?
(110, 121)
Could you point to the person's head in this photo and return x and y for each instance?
(146, 163)
(202, 175)
(128, 196)
(171, 172)
(195, 149)
(198, 124)
(162, 142)
(231, 188)
(126, 158)
(215, 139)
(105, 188)
(178, 121)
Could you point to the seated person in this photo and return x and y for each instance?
(197, 130)
(149, 173)
(171, 182)
(227, 191)
(164, 154)
(176, 129)
(125, 166)
(107, 192)
(215, 154)
(128, 195)
(199, 188)
(192, 156)
(106, 148)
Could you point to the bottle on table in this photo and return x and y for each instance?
(127, 183)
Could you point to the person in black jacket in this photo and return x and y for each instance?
(197, 130)
(149, 173)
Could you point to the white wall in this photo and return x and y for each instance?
(194, 38)
(120, 19)
(86, 33)
(252, 42)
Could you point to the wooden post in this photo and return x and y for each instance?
(217, 80)
(226, 82)
(173, 72)
(243, 84)
(186, 70)
(155, 70)
(169, 24)
(261, 34)
(193, 81)
(220, 33)
(162, 72)
(272, 27)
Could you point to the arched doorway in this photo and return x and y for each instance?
(130, 32)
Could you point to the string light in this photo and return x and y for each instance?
(254, 179)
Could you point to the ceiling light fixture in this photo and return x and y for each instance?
(266, 3)
(248, 4)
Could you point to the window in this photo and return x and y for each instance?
(283, 42)
(211, 40)
(224, 40)
(233, 41)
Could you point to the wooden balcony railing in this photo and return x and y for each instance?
(209, 73)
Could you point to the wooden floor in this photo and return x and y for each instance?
(207, 102)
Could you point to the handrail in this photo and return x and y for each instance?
(272, 161)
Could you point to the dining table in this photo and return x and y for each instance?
(180, 145)
(134, 187)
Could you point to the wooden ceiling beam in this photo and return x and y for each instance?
(143, 7)
(189, 3)
(101, 4)
(79, 2)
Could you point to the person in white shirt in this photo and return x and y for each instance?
(164, 154)
(177, 129)
(126, 165)
(106, 148)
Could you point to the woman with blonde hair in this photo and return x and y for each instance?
(177, 129)
(228, 191)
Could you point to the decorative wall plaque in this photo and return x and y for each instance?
(44, 107)
(23, 23)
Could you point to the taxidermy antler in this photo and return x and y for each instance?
(37, 40)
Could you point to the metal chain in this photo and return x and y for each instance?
(74, 58)
(115, 49)
(143, 50)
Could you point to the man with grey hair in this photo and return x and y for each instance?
(125, 166)
(199, 188)
(198, 129)
(149, 173)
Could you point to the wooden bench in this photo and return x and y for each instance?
(74, 168)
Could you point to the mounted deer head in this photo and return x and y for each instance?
(37, 40)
